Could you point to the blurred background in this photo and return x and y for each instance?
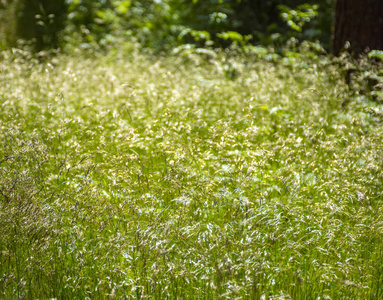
(164, 24)
(186, 25)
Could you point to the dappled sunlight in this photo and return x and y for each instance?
(142, 177)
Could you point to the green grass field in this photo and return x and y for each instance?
(126, 176)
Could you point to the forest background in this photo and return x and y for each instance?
(166, 24)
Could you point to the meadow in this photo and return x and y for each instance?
(130, 176)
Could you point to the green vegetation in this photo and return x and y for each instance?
(164, 24)
(193, 177)
(178, 149)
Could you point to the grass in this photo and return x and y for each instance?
(126, 176)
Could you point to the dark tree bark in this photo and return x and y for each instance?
(360, 23)
(37, 20)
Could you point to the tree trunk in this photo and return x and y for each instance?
(358, 25)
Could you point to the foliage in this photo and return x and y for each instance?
(376, 54)
(163, 25)
(129, 176)
(156, 24)
(262, 20)
(297, 18)
(364, 75)
(169, 23)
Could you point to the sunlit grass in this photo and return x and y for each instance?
(128, 176)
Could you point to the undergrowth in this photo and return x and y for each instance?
(187, 178)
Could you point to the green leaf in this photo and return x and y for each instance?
(376, 54)
(122, 8)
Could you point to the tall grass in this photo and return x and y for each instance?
(126, 176)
